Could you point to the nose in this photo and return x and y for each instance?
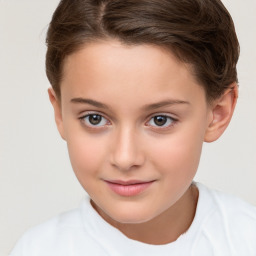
(126, 150)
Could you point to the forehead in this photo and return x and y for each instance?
(130, 59)
(138, 72)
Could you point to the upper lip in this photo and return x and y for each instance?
(128, 182)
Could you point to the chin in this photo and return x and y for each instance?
(131, 220)
(127, 212)
(131, 216)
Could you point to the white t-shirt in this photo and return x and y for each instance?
(223, 225)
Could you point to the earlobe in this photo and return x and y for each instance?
(57, 111)
(221, 112)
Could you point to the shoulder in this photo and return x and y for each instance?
(229, 205)
(228, 219)
(52, 237)
(237, 213)
(69, 220)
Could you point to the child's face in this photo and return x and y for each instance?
(132, 115)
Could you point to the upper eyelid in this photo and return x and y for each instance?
(87, 113)
(172, 116)
(91, 112)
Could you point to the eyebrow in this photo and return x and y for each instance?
(145, 108)
(164, 104)
(90, 102)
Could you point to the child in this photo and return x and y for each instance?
(137, 87)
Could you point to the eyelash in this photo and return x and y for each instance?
(97, 127)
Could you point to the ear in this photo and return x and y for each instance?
(221, 112)
(57, 111)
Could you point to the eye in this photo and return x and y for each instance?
(94, 120)
(161, 121)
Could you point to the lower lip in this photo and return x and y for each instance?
(129, 190)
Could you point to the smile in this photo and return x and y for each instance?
(129, 188)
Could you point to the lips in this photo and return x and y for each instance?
(128, 188)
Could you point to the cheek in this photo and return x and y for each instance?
(86, 154)
(178, 155)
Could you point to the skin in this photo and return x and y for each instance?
(128, 144)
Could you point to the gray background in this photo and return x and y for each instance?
(36, 179)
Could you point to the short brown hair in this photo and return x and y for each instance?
(198, 32)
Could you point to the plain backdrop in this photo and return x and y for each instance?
(36, 178)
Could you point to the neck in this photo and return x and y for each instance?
(166, 227)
